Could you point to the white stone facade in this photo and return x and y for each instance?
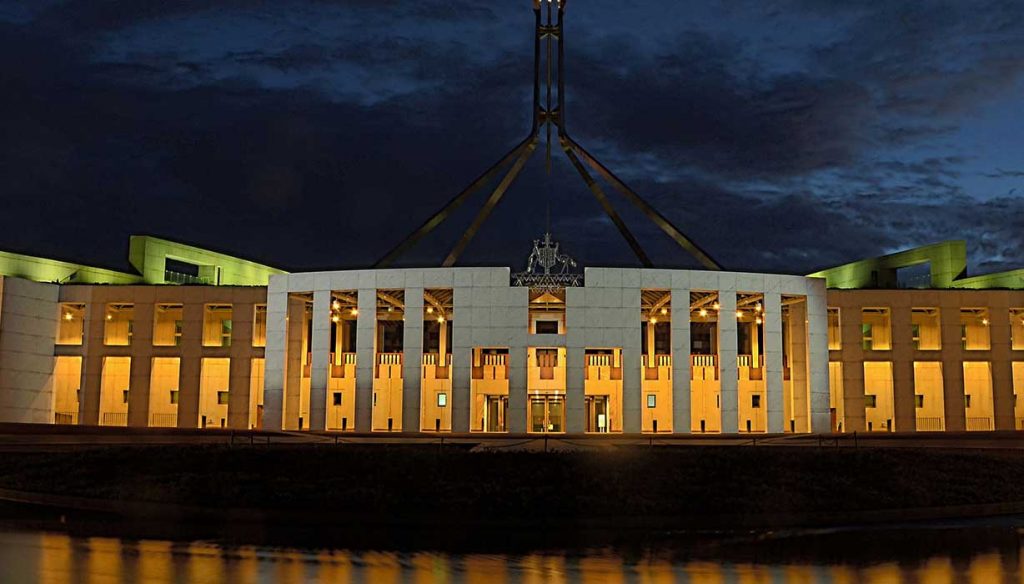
(27, 325)
(604, 313)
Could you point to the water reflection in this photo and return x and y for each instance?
(52, 558)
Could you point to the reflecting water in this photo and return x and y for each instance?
(955, 555)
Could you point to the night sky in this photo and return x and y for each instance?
(781, 135)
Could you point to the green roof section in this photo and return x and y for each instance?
(149, 256)
(40, 269)
(947, 268)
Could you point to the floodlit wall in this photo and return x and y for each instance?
(214, 392)
(167, 323)
(491, 313)
(28, 329)
(115, 391)
(878, 396)
(837, 404)
(67, 380)
(1018, 394)
(977, 399)
(972, 326)
(930, 409)
(164, 392)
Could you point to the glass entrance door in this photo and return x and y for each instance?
(597, 413)
(547, 413)
(495, 413)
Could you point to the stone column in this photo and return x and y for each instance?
(632, 362)
(1002, 361)
(240, 372)
(798, 369)
(771, 316)
(575, 390)
(142, 359)
(366, 357)
(728, 373)
(295, 360)
(680, 360)
(191, 364)
(904, 406)
(274, 353)
(516, 420)
(817, 359)
(464, 308)
(412, 363)
(850, 320)
(575, 358)
(92, 364)
(952, 364)
(320, 347)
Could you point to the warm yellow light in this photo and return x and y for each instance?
(440, 319)
(110, 317)
(390, 308)
(67, 316)
(654, 320)
(430, 310)
(716, 306)
(336, 305)
(757, 307)
(354, 312)
(758, 321)
(984, 321)
(664, 311)
(739, 314)
(335, 318)
(703, 312)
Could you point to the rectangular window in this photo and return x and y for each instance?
(834, 333)
(222, 398)
(174, 396)
(117, 328)
(652, 400)
(870, 401)
(1017, 329)
(925, 329)
(755, 401)
(167, 322)
(71, 327)
(919, 400)
(974, 329)
(442, 400)
(336, 398)
(217, 325)
(876, 329)
(259, 326)
(546, 305)
(546, 327)
(124, 395)
(967, 400)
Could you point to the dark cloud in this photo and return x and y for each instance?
(319, 142)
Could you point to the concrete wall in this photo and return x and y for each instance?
(28, 329)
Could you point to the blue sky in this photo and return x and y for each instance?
(782, 135)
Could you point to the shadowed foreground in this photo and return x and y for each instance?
(669, 488)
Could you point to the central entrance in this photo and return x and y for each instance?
(547, 413)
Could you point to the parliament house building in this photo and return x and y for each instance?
(191, 338)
